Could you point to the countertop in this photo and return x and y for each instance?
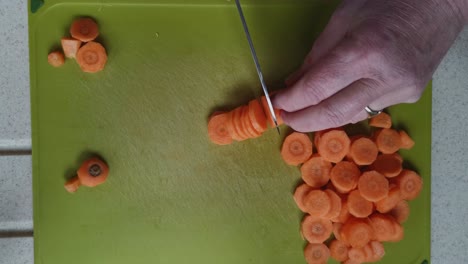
(449, 146)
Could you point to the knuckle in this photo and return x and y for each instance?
(313, 92)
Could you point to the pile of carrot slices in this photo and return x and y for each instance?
(90, 55)
(355, 192)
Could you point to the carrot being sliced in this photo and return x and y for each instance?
(300, 194)
(333, 145)
(401, 211)
(316, 171)
(335, 205)
(240, 123)
(56, 58)
(363, 151)
(266, 110)
(70, 47)
(358, 206)
(383, 226)
(93, 172)
(406, 141)
(316, 253)
(344, 176)
(344, 213)
(297, 148)
(373, 186)
(390, 165)
(316, 229)
(92, 57)
(72, 184)
(218, 130)
(84, 29)
(410, 184)
(382, 120)
(357, 254)
(388, 140)
(317, 203)
(338, 250)
(389, 202)
(357, 232)
(257, 116)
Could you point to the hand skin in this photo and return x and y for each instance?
(374, 53)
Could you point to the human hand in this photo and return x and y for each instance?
(374, 53)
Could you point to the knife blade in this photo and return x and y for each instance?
(257, 65)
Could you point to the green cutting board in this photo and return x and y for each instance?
(172, 196)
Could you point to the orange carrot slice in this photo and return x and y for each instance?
(317, 203)
(84, 29)
(316, 229)
(56, 58)
(401, 211)
(335, 205)
(363, 151)
(300, 194)
(382, 120)
(337, 232)
(410, 184)
(248, 125)
(257, 116)
(351, 261)
(388, 140)
(344, 176)
(316, 171)
(390, 165)
(399, 233)
(70, 47)
(378, 250)
(358, 206)
(297, 148)
(357, 232)
(338, 250)
(93, 172)
(357, 254)
(266, 110)
(232, 125)
(373, 186)
(406, 141)
(92, 57)
(316, 253)
(383, 226)
(344, 213)
(72, 185)
(333, 145)
(389, 202)
(218, 130)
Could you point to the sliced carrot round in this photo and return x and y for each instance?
(70, 47)
(248, 127)
(399, 233)
(357, 232)
(337, 232)
(92, 57)
(401, 211)
(335, 205)
(232, 127)
(389, 202)
(257, 116)
(316, 229)
(373, 186)
(239, 124)
(390, 165)
(363, 151)
(388, 140)
(316, 171)
(333, 145)
(344, 213)
(56, 58)
(378, 250)
(338, 250)
(382, 120)
(357, 254)
(72, 184)
(316, 253)
(218, 130)
(410, 184)
(266, 110)
(300, 194)
(358, 206)
(93, 172)
(317, 203)
(383, 226)
(344, 176)
(84, 29)
(297, 148)
(406, 141)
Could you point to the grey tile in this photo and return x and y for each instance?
(14, 78)
(16, 250)
(15, 193)
(450, 156)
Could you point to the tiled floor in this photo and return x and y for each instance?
(450, 147)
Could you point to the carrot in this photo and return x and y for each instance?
(373, 186)
(388, 140)
(300, 194)
(369, 253)
(317, 203)
(357, 232)
(410, 184)
(297, 148)
(266, 110)
(337, 232)
(333, 145)
(316, 229)
(390, 165)
(84, 29)
(382, 120)
(70, 47)
(344, 213)
(72, 184)
(358, 206)
(401, 211)
(378, 250)
(248, 125)
(351, 261)
(363, 151)
(316, 171)
(257, 116)
(388, 203)
(92, 57)
(316, 253)
(399, 233)
(93, 172)
(232, 125)
(344, 176)
(56, 58)
(406, 141)
(383, 226)
(238, 123)
(335, 205)
(218, 130)
(338, 250)
(357, 254)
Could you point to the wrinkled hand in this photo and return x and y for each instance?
(374, 53)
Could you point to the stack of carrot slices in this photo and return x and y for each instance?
(245, 122)
(355, 192)
(90, 56)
